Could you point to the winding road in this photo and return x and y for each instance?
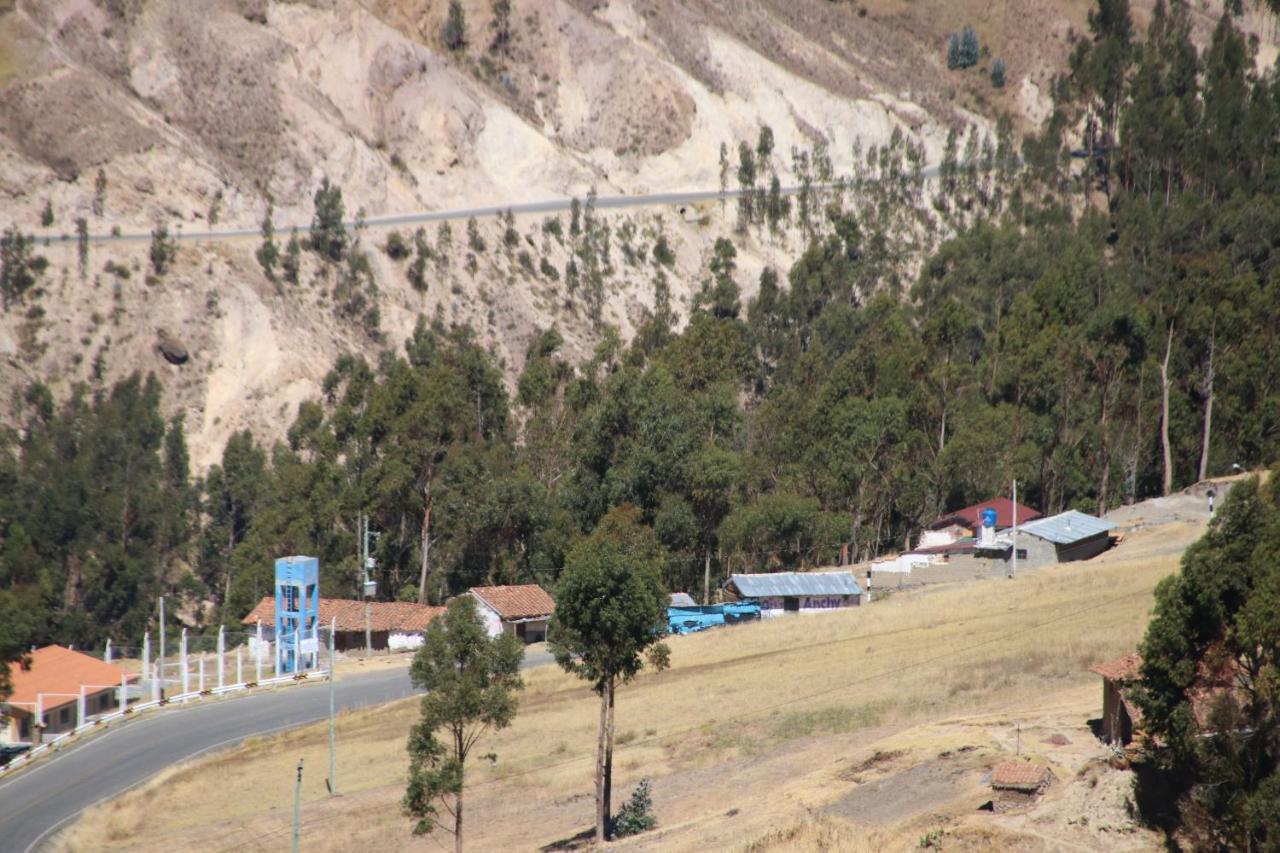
(555, 205)
(38, 802)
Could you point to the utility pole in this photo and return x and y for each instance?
(333, 736)
(160, 662)
(364, 584)
(1013, 572)
(297, 808)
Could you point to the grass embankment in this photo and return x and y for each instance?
(751, 730)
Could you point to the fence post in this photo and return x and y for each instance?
(160, 662)
(257, 655)
(80, 708)
(222, 649)
(239, 665)
(182, 653)
(124, 691)
(333, 735)
(200, 666)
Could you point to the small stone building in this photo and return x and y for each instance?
(1023, 777)
(1119, 716)
(1062, 538)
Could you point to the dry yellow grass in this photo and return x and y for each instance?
(744, 736)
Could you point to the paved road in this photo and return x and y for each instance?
(38, 802)
(555, 205)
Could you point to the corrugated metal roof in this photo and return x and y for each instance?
(682, 599)
(1067, 527)
(797, 583)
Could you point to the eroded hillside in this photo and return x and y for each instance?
(131, 114)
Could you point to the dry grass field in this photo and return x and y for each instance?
(865, 729)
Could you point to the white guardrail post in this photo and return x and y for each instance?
(146, 666)
(182, 653)
(222, 650)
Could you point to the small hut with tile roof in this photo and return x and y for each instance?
(1119, 715)
(523, 611)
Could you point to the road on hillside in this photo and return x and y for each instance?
(40, 801)
(555, 205)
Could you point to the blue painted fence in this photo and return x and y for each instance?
(687, 620)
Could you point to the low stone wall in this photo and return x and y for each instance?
(962, 567)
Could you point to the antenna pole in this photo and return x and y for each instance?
(1014, 571)
(333, 753)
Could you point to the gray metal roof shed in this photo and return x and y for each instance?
(1067, 527)
(785, 584)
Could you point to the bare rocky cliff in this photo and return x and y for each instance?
(133, 113)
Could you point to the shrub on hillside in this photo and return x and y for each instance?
(998, 73)
(397, 247)
(636, 816)
(963, 49)
(454, 31)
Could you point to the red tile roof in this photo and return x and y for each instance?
(971, 516)
(404, 616)
(348, 614)
(1120, 669)
(516, 602)
(55, 669)
(1020, 775)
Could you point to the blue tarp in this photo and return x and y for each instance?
(686, 620)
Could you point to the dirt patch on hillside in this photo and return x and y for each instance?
(71, 121)
(925, 787)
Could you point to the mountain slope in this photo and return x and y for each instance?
(191, 118)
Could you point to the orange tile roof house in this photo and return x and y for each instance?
(52, 681)
(392, 624)
(523, 611)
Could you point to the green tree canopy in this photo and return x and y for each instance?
(610, 616)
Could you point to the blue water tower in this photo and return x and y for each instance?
(987, 535)
(297, 609)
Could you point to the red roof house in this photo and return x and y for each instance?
(53, 678)
(386, 619)
(523, 611)
(970, 517)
